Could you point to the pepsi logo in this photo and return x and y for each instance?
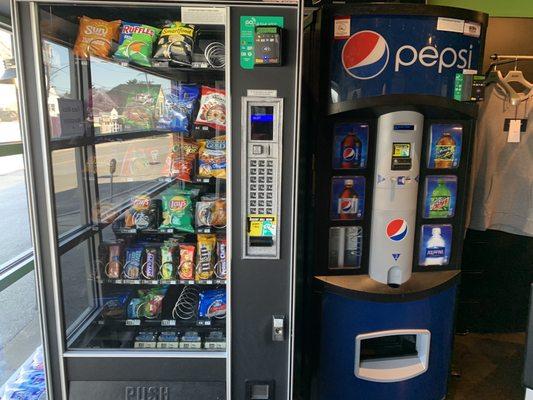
(365, 54)
(348, 154)
(346, 206)
(397, 230)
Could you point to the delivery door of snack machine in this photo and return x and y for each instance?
(264, 114)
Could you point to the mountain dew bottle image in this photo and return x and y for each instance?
(439, 202)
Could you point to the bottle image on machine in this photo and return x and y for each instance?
(345, 247)
(440, 197)
(347, 197)
(445, 146)
(445, 151)
(351, 147)
(436, 248)
(348, 202)
(435, 244)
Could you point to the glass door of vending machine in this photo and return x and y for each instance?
(129, 129)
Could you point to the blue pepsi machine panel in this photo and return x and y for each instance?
(399, 54)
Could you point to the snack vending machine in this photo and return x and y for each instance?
(391, 149)
(161, 151)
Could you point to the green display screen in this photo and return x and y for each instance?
(269, 29)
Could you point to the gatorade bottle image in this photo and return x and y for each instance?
(351, 151)
(439, 202)
(348, 202)
(435, 248)
(445, 151)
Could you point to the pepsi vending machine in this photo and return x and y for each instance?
(391, 152)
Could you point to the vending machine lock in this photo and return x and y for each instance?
(278, 328)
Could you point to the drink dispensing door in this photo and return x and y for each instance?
(262, 149)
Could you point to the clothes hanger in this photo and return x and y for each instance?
(517, 76)
(495, 76)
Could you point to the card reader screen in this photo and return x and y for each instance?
(401, 150)
(262, 122)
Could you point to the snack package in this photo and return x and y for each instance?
(212, 157)
(180, 161)
(177, 211)
(169, 255)
(114, 264)
(212, 110)
(113, 306)
(221, 267)
(186, 267)
(150, 268)
(133, 262)
(175, 44)
(153, 302)
(212, 304)
(136, 43)
(203, 213)
(95, 37)
(218, 219)
(178, 109)
(140, 111)
(205, 256)
(143, 213)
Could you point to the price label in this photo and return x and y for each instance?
(168, 322)
(133, 322)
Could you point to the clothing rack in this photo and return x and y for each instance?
(501, 59)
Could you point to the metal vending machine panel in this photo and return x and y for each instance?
(262, 122)
(399, 142)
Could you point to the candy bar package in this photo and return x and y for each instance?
(212, 157)
(95, 37)
(212, 110)
(218, 219)
(205, 256)
(175, 44)
(169, 260)
(177, 211)
(178, 109)
(136, 43)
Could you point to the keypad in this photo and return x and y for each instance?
(261, 186)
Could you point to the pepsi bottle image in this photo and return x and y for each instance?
(351, 151)
(348, 202)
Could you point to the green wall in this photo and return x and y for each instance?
(495, 8)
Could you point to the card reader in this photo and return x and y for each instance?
(268, 45)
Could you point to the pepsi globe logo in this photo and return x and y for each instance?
(348, 154)
(397, 230)
(346, 206)
(365, 55)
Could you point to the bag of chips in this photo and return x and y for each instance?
(218, 219)
(205, 256)
(204, 213)
(212, 158)
(179, 106)
(95, 37)
(212, 110)
(176, 43)
(143, 213)
(177, 211)
(180, 161)
(186, 268)
(136, 43)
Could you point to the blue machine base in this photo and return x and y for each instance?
(344, 318)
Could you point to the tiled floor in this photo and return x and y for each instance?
(490, 367)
